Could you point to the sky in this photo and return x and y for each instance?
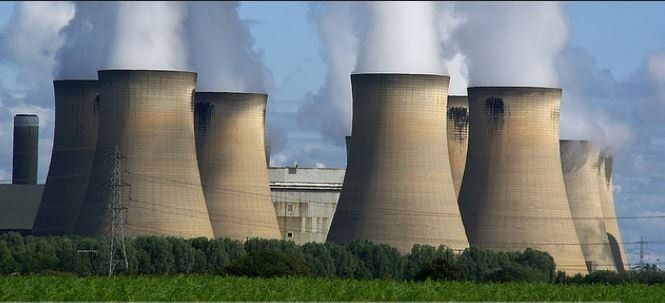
(614, 72)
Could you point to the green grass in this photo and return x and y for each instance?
(215, 288)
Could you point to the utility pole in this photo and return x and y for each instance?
(117, 211)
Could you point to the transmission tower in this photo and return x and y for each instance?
(117, 211)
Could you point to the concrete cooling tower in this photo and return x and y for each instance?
(398, 189)
(148, 116)
(26, 144)
(513, 195)
(580, 163)
(230, 144)
(607, 203)
(458, 136)
(75, 138)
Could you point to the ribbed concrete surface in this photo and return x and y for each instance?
(398, 187)
(149, 116)
(580, 163)
(607, 203)
(74, 141)
(231, 151)
(513, 195)
(458, 136)
(25, 149)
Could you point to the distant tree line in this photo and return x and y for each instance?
(275, 258)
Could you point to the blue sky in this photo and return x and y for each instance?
(615, 36)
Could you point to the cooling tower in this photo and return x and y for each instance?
(75, 138)
(580, 163)
(398, 188)
(347, 139)
(231, 154)
(26, 143)
(458, 136)
(607, 203)
(148, 115)
(513, 194)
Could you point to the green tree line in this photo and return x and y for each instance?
(154, 255)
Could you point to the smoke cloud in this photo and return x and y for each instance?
(221, 49)
(28, 43)
(149, 35)
(401, 37)
(511, 44)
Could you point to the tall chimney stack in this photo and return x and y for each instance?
(26, 145)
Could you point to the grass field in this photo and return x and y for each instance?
(215, 288)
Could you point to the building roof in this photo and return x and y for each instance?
(306, 178)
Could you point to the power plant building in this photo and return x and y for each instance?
(398, 188)
(513, 195)
(230, 130)
(458, 136)
(75, 139)
(146, 134)
(305, 200)
(607, 204)
(26, 145)
(581, 166)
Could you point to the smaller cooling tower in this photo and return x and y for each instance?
(513, 195)
(230, 144)
(147, 116)
(26, 143)
(581, 166)
(398, 189)
(607, 203)
(458, 136)
(74, 141)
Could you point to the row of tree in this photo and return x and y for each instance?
(272, 258)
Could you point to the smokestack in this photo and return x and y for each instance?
(75, 138)
(607, 204)
(398, 188)
(148, 116)
(230, 143)
(580, 164)
(513, 195)
(458, 136)
(26, 143)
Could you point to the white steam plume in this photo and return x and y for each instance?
(329, 110)
(149, 35)
(401, 37)
(29, 43)
(87, 40)
(221, 49)
(511, 43)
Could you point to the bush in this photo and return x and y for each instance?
(441, 268)
(270, 263)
